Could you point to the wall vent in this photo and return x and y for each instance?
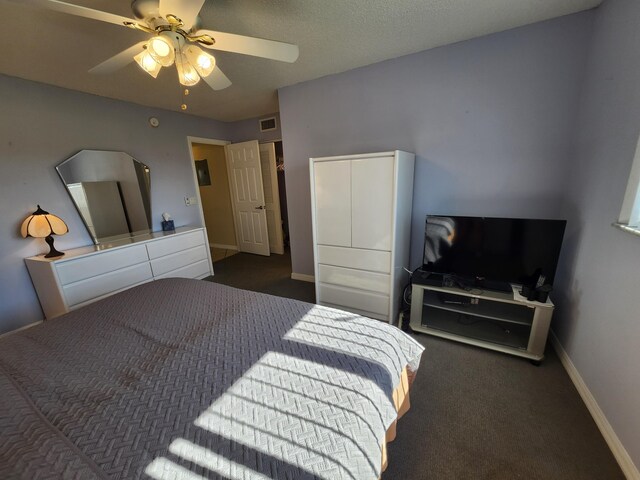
(268, 124)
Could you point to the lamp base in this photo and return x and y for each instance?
(52, 251)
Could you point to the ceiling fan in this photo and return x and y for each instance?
(176, 39)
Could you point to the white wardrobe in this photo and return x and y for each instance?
(361, 214)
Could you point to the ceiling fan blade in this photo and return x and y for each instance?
(185, 10)
(258, 47)
(79, 11)
(217, 80)
(118, 61)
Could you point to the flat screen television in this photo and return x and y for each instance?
(492, 252)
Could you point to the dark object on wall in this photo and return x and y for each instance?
(202, 169)
(268, 124)
(167, 226)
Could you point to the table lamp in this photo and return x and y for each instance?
(41, 224)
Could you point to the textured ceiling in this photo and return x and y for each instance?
(333, 36)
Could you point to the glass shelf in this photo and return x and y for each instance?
(504, 312)
(512, 335)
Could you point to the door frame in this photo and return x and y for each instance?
(276, 201)
(213, 141)
(206, 141)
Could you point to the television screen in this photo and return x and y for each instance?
(504, 250)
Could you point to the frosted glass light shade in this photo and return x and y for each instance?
(41, 224)
(147, 63)
(187, 74)
(161, 50)
(200, 60)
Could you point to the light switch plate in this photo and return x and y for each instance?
(190, 201)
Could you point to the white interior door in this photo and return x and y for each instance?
(271, 197)
(247, 197)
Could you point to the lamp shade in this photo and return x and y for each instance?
(162, 51)
(147, 63)
(41, 224)
(201, 61)
(187, 74)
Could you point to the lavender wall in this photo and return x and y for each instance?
(41, 126)
(597, 320)
(249, 129)
(489, 119)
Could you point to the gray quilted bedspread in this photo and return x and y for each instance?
(185, 379)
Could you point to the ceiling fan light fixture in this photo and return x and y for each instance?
(187, 74)
(161, 50)
(147, 63)
(200, 60)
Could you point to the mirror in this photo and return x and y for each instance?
(112, 192)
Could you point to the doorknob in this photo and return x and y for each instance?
(261, 207)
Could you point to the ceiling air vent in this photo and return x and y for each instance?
(268, 124)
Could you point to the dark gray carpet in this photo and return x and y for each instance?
(475, 414)
(270, 275)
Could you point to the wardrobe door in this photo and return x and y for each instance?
(332, 184)
(372, 202)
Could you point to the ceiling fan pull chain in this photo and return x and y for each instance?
(184, 92)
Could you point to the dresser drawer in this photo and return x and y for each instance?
(348, 297)
(195, 270)
(99, 264)
(372, 260)
(360, 279)
(93, 287)
(174, 244)
(163, 265)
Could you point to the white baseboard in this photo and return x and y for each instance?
(224, 247)
(619, 452)
(20, 329)
(303, 276)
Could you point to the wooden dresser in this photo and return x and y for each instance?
(84, 275)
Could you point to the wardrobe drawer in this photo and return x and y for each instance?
(372, 260)
(348, 297)
(347, 277)
(94, 265)
(109, 282)
(163, 265)
(195, 270)
(174, 244)
(377, 316)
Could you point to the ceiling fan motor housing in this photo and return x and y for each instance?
(149, 12)
(176, 39)
(146, 9)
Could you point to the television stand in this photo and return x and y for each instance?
(504, 287)
(504, 322)
(425, 277)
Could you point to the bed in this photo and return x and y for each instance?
(186, 379)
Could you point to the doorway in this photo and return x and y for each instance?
(241, 189)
